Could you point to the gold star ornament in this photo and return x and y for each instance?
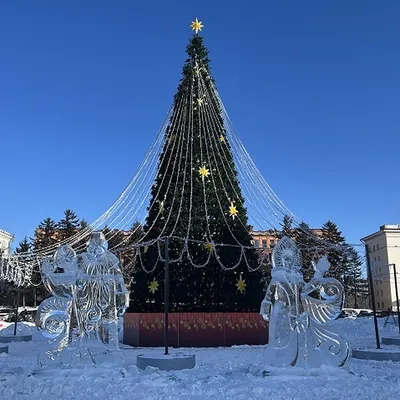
(200, 101)
(233, 212)
(222, 139)
(241, 285)
(153, 286)
(204, 172)
(209, 247)
(197, 26)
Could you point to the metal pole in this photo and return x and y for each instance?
(16, 313)
(397, 296)
(166, 296)
(371, 285)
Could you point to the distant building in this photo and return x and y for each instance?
(5, 242)
(384, 253)
(266, 240)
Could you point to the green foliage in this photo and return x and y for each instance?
(69, 225)
(24, 246)
(336, 255)
(45, 234)
(184, 213)
(308, 244)
(287, 229)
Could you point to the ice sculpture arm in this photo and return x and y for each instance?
(121, 292)
(330, 305)
(266, 304)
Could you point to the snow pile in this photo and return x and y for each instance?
(220, 373)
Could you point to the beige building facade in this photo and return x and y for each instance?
(384, 255)
(5, 242)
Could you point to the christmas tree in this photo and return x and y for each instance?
(196, 201)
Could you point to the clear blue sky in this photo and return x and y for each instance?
(312, 88)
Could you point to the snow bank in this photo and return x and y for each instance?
(221, 373)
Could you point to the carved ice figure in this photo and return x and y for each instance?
(88, 296)
(298, 312)
(101, 293)
(55, 315)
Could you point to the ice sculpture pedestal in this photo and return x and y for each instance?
(15, 338)
(3, 349)
(171, 362)
(391, 340)
(376, 354)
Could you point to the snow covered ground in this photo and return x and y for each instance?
(220, 373)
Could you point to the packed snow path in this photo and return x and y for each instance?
(221, 373)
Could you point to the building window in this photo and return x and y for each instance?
(380, 269)
(379, 305)
(264, 244)
(272, 243)
(373, 248)
(256, 243)
(379, 259)
(377, 246)
(382, 294)
(383, 304)
(374, 259)
(369, 249)
(377, 293)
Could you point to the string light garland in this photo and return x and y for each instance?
(173, 149)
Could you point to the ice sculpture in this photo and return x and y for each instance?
(88, 296)
(299, 311)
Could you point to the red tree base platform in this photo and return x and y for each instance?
(195, 329)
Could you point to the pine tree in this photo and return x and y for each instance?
(353, 279)
(307, 242)
(195, 192)
(83, 224)
(336, 253)
(45, 234)
(69, 225)
(24, 246)
(287, 229)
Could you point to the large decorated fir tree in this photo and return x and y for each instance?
(196, 201)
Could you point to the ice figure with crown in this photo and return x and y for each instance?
(298, 312)
(88, 296)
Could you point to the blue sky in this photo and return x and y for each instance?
(312, 88)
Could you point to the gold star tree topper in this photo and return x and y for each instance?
(153, 286)
(204, 172)
(197, 26)
(233, 212)
(241, 284)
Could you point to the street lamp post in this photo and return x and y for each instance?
(397, 294)
(371, 285)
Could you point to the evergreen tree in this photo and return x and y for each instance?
(45, 234)
(24, 246)
(307, 242)
(287, 229)
(195, 192)
(336, 253)
(353, 279)
(69, 225)
(83, 224)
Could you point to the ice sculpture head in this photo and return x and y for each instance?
(97, 245)
(59, 272)
(286, 255)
